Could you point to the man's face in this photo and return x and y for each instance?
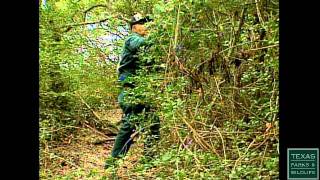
(140, 29)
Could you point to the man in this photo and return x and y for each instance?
(128, 66)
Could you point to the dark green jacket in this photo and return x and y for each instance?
(129, 61)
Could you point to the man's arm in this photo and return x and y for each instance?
(135, 42)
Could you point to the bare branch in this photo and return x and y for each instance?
(89, 9)
(84, 23)
(266, 47)
(98, 5)
(118, 34)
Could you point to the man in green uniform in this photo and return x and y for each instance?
(128, 66)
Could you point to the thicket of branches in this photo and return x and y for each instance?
(217, 97)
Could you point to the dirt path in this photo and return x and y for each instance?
(81, 156)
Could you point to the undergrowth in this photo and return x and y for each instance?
(214, 84)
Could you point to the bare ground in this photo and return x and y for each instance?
(81, 156)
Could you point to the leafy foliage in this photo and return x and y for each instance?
(214, 81)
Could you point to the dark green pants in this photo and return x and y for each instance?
(150, 123)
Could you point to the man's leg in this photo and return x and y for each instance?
(131, 110)
(123, 141)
